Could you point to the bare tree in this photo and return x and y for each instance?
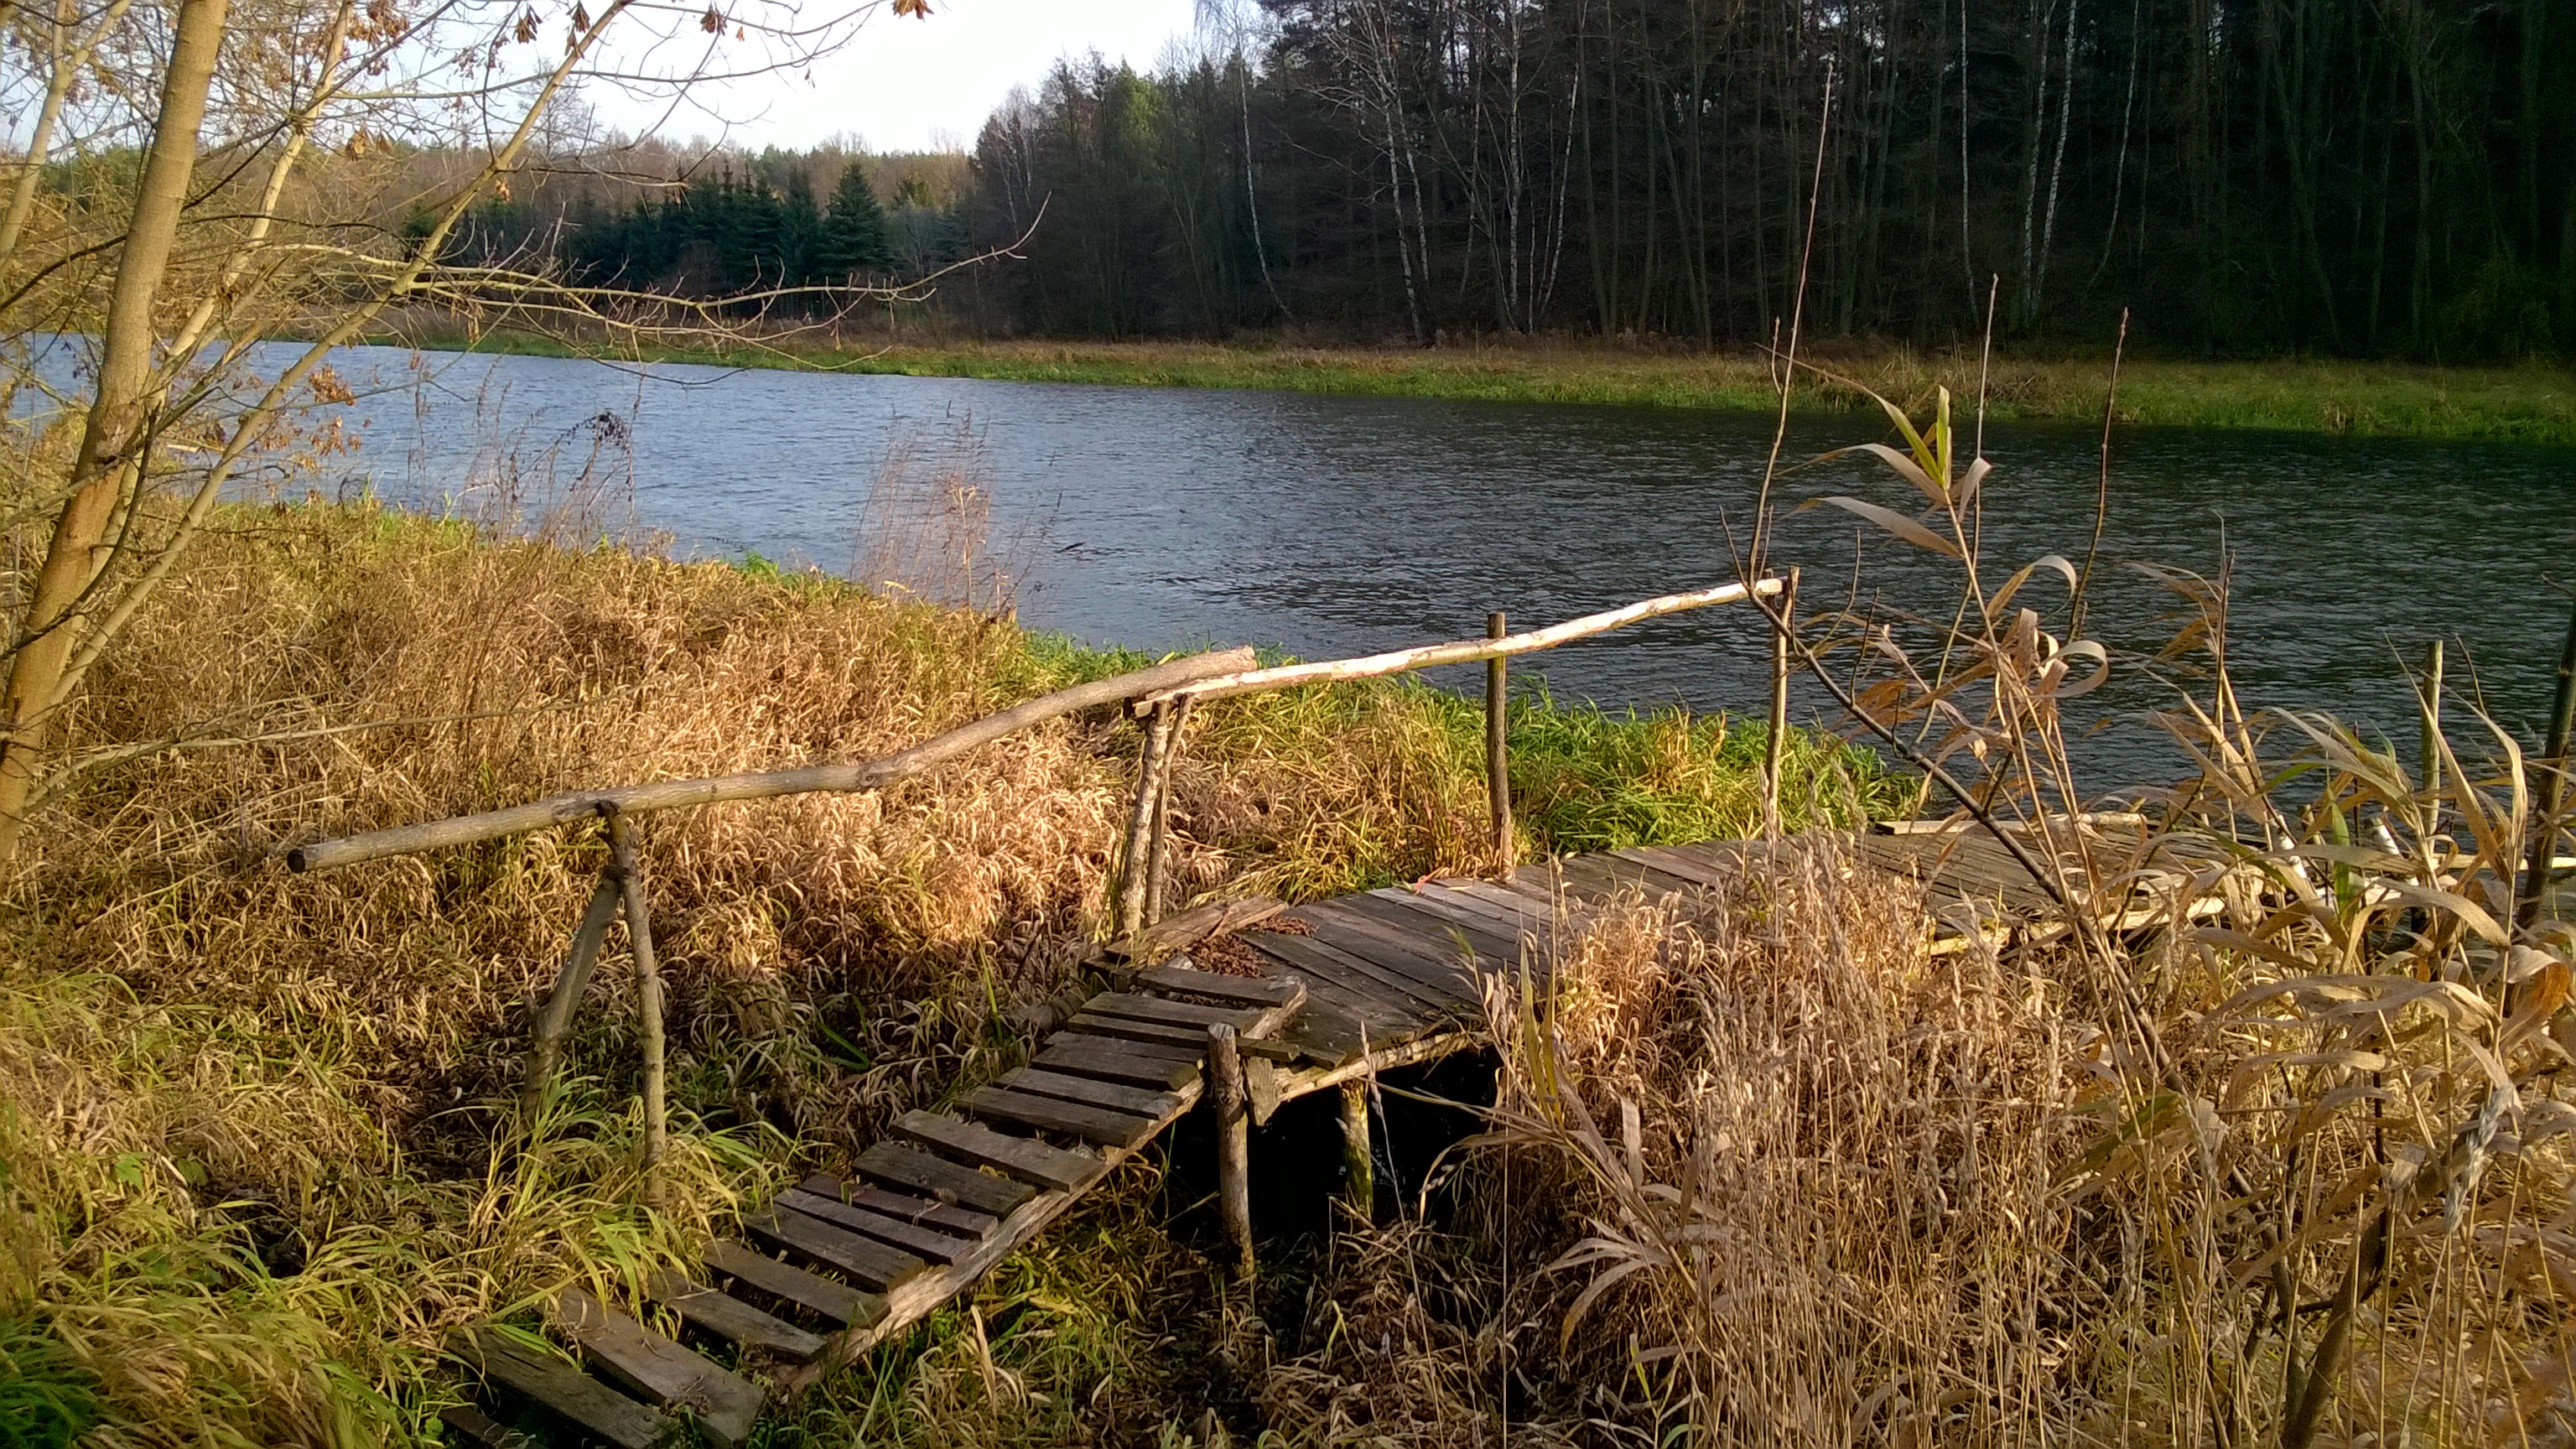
(281, 184)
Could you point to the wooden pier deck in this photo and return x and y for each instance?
(1346, 988)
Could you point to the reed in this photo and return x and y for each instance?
(262, 1150)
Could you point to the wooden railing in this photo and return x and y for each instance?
(1159, 696)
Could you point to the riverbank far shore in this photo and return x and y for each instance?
(2533, 403)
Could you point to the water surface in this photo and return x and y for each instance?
(1335, 525)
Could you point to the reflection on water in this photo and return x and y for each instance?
(1333, 525)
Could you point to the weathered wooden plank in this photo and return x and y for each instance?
(1647, 876)
(1407, 911)
(1170, 1051)
(1033, 1163)
(824, 1297)
(1425, 934)
(466, 1426)
(1053, 1114)
(1079, 1056)
(659, 1371)
(925, 1243)
(1093, 1024)
(869, 1263)
(731, 1319)
(929, 1212)
(1385, 991)
(567, 1393)
(1139, 1101)
(1252, 991)
(1545, 918)
(1413, 955)
(902, 1166)
(1516, 920)
(1180, 932)
(1177, 1013)
(1690, 868)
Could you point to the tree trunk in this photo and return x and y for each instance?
(118, 432)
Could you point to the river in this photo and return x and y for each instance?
(1322, 525)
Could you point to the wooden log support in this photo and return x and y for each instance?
(1771, 745)
(648, 999)
(1359, 1166)
(1498, 768)
(1158, 853)
(1233, 1144)
(1140, 822)
(767, 784)
(545, 1049)
(1464, 651)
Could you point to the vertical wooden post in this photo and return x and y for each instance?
(648, 995)
(1158, 854)
(545, 1051)
(1140, 823)
(1498, 765)
(1233, 1143)
(1359, 1168)
(2429, 738)
(2551, 791)
(1779, 710)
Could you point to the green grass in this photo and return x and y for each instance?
(47, 1401)
(2533, 403)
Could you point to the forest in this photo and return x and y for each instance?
(2346, 177)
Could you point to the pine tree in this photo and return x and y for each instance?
(800, 233)
(854, 232)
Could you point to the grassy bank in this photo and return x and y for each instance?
(256, 1153)
(2530, 404)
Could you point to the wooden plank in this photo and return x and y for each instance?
(1164, 1050)
(731, 1319)
(1411, 955)
(900, 1165)
(1109, 1064)
(929, 1212)
(1546, 919)
(1624, 877)
(825, 1297)
(910, 1303)
(1673, 862)
(1038, 1082)
(1324, 1036)
(925, 1243)
(1033, 1163)
(1127, 1029)
(1402, 910)
(1386, 991)
(1180, 932)
(661, 1372)
(1176, 1013)
(466, 1425)
(1253, 991)
(869, 1263)
(567, 1393)
(1053, 1114)
(1516, 920)
(1653, 879)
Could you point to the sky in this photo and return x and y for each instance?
(907, 84)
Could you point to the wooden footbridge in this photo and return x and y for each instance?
(1244, 1004)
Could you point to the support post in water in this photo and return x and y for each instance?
(545, 1051)
(1233, 1143)
(1140, 823)
(648, 994)
(2429, 735)
(1779, 708)
(1359, 1170)
(2551, 793)
(1498, 766)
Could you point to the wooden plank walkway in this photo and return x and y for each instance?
(1347, 987)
